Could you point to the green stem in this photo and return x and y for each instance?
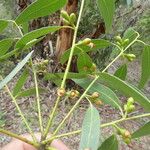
(37, 98)
(102, 126)
(66, 71)
(141, 42)
(51, 118)
(13, 135)
(21, 114)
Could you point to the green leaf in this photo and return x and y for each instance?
(121, 72)
(130, 34)
(98, 44)
(109, 144)
(90, 130)
(15, 70)
(29, 92)
(107, 10)
(7, 55)
(3, 25)
(39, 9)
(15, 51)
(143, 131)
(145, 75)
(5, 45)
(106, 94)
(25, 27)
(33, 35)
(32, 43)
(125, 88)
(84, 63)
(21, 81)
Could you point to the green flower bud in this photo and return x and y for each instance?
(93, 68)
(66, 22)
(86, 41)
(45, 62)
(130, 57)
(119, 44)
(127, 140)
(73, 18)
(125, 107)
(130, 101)
(131, 108)
(118, 38)
(126, 41)
(65, 15)
(122, 132)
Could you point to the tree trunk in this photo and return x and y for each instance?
(65, 36)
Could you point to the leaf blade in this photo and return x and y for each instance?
(110, 143)
(106, 94)
(39, 9)
(29, 92)
(3, 25)
(145, 76)
(107, 10)
(5, 45)
(143, 131)
(125, 88)
(21, 81)
(33, 35)
(84, 63)
(15, 70)
(121, 72)
(90, 130)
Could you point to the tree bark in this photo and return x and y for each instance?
(65, 36)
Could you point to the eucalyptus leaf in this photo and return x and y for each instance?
(143, 131)
(125, 88)
(145, 75)
(15, 70)
(39, 8)
(9, 54)
(131, 35)
(121, 72)
(90, 134)
(84, 63)
(21, 81)
(106, 94)
(110, 143)
(3, 25)
(29, 92)
(33, 35)
(5, 45)
(107, 10)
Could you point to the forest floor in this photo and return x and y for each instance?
(107, 113)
